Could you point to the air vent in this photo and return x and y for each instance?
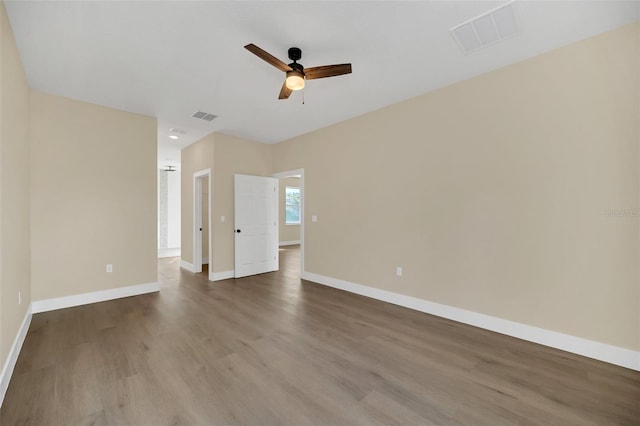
(204, 115)
(484, 30)
(176, 130)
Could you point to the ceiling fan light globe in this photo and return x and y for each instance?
(295, 80)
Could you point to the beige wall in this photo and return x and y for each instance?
(492, 193)
(14, 189)
(225, 156)
(232, 156)
(93, 187)
(194, 158)
(287, 232)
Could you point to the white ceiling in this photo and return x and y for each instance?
(169, 58)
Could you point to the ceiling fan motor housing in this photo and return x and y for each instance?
(295, 54)
(297, 67)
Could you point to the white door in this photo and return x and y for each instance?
(256, 225)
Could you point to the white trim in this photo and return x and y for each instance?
(289, 243)
(299, 173)
(224, 275)
(188, 266)
(93, 297)
(577, 345)
(168, 255)
(197, 223)
(12, 357)
(168, 252)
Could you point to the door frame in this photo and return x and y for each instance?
(198, 178)
(290, 173)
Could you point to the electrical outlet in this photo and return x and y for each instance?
(222, 218)
(314, 218)
(399, 271)
(109, 267)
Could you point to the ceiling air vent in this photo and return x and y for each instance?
(484, 30)
(204, 115)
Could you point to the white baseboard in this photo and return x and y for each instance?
(168, 252)
(188, 266)
(205, 260)
(93, 297)
(289, 243)
(577, 345)
(165, 256)
(12, 358)
(224, 275)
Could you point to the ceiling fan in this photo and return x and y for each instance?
(296, 73)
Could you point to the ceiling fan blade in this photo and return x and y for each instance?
(267, 57)
(285, 92)
(327, 71)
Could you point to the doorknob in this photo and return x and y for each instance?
(238, 231)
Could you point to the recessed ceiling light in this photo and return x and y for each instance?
(174, 137)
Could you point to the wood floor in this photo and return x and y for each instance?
(271, 350)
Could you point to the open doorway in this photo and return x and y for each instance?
(202, 254)
(291, 217)
(168, 212)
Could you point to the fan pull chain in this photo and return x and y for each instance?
(303, 96)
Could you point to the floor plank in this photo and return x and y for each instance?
(274, 350)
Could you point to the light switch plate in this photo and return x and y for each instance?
(314, 218)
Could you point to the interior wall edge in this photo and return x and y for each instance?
(600, 351)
